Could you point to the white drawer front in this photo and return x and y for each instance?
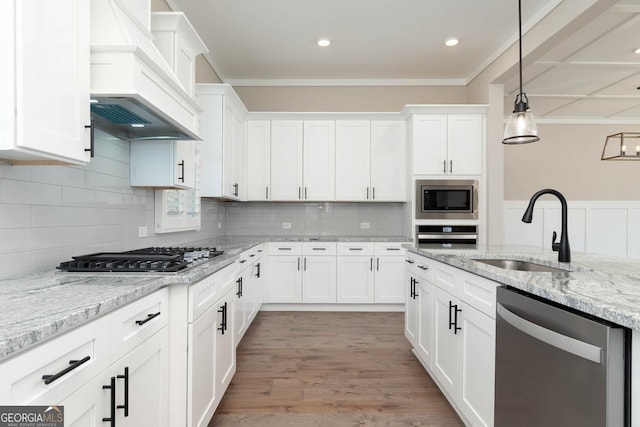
(285, 248)
(389, 248)
(479, 293)
(359, 248)
(22, 376)
(204, 294)
(137, 321)
(319, 248)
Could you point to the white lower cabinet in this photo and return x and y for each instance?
(302, 273)
(454, 338)
(319, 279)
(211, 349)
(136, 383)
(142, 383)
(389, 271)
(330, 273)
(285, 276)
(355, 279)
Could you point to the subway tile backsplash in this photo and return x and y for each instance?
(313, 219)
(50, 213)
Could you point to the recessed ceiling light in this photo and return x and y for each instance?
(324, 42)
(137, 125)
(452, 42)
(637, 50)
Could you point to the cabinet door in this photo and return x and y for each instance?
(429, 139)
(388, 161)
(445, 342)
(319, 160)
(478, 366)
(225, 346)
(202, 391)
(388, 282)
(286, 160)
(425, 321)
(185, 164)
(87, 406)
(355, 279)
(228, 141)
(145, 371)
(244, 303)
(285, 279)
(319, 279)
(353, 160)
(411, 310)
(465, 135)
(258, 159)
(52, 78)
(238, 183)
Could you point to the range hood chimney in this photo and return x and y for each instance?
(135, 93)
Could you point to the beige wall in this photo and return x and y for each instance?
(346, 98)
(567, 158)
(159, 6)
(204, 72)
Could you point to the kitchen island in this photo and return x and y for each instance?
(451, 314)
(605, 287)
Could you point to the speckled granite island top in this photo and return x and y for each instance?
(38, 306)
(605, 287)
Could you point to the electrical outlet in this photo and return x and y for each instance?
(286, 225)
(364, 225)
(142, 231)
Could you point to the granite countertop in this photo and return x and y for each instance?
(605, 287)
(38, 306)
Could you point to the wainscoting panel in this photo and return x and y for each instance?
(598, 227)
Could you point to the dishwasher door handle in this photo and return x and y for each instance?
(571, 345)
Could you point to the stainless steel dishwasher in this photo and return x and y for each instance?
(556, 367)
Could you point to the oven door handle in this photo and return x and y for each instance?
(447, 236)
(571, 345)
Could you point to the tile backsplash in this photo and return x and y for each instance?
(314, 219)
(50, 213)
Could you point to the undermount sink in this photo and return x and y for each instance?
(514, 264)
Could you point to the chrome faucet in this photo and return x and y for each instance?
(564, 252)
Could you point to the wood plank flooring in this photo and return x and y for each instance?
(330, 369)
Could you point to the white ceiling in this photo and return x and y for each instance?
(591, 73)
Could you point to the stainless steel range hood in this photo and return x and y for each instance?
(135, 93)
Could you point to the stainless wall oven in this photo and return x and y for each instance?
(446, 199)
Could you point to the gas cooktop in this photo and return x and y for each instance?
(146, 260)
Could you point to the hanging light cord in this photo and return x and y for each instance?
(522, 102)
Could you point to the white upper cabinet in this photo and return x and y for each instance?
(165, 164)
(44, 114)
(447, 144)
(388, 161)
(353, 160)
(319, 155)
(258, 159)
(286, 160)
(302, 160)
(222, 128)
(370, 160)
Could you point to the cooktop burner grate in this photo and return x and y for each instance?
(152, 260)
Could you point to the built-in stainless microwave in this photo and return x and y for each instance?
(447, 199)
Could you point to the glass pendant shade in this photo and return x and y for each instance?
(520, 129)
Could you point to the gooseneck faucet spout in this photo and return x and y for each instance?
(563, 249)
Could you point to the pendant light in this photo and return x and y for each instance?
(521, 127)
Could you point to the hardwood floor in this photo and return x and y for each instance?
(330, 369)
